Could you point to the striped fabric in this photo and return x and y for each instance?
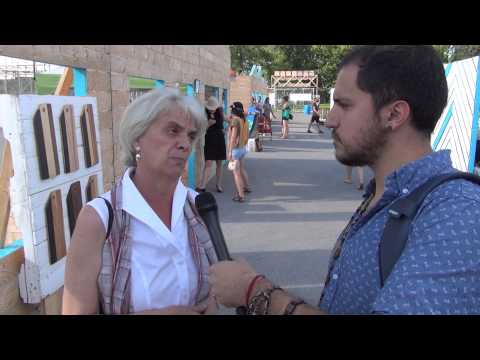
(114, 278)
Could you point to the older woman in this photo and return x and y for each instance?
(141, 247)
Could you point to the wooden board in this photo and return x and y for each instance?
(9, 292)
(87, 124)
(6, 171)
(92, 188)
(69, 139)
(63, 86)
(55, 229)
(74, 204)
(46, 143)
(52, 304)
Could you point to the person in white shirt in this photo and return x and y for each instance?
(141, 248)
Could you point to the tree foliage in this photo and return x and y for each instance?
(321, 58)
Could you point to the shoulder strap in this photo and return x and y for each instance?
(401, 214)
(110, 216)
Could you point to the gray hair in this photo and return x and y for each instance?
(148, 108)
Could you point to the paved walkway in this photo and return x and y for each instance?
(299, 204)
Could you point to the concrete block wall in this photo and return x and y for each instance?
(242, 86)
(108, 68)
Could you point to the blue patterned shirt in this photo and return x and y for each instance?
(439, 269)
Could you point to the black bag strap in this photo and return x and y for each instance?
(110, 216)
(401, 214)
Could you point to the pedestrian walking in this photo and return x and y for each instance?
(315, 115)
(286, 116)
(237, 141)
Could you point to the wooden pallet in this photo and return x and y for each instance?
(46, 209)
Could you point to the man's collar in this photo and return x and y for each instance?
(409, 176)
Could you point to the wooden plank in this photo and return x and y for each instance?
(52, 304)
(6, 172)
(92, 188)
(92, 135)
(69, 139)
(87, 123)
(65, 82)
(55, 228)
(13, 232)
(74, 204)
(46, 143)
(9, 291)
(4, 216)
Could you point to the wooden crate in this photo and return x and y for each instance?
(39, 276)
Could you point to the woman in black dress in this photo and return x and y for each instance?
(214, 149)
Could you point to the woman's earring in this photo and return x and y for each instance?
(138, 156)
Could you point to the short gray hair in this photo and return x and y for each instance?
(144, 110)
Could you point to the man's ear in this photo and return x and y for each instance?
(396, 114)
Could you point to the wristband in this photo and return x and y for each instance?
(250, 286)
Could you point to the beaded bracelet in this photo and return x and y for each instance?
(292, 306)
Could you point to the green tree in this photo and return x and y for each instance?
(245, 56)
(327, 58)
(444, 51)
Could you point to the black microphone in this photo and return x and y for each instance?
(207, 208)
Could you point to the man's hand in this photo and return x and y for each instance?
(229, 281)
(212, 305)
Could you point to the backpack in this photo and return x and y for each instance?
(401, 214)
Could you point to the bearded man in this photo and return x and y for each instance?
(387, 101)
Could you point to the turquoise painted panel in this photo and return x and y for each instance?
(444, 126)
(475, 120)
(190, 91)
(80, 87)
(11, 248)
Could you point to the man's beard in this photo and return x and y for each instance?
(368, 149)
